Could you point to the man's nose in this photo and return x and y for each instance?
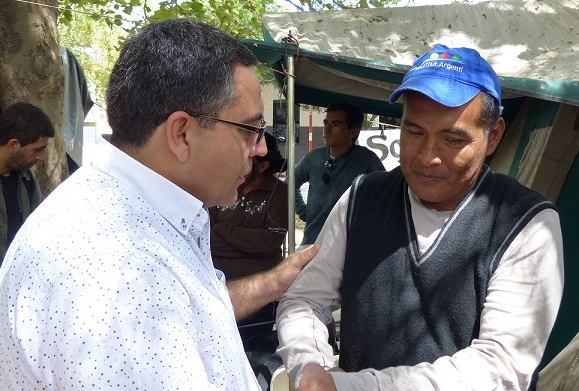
(41, 156)
(429, 154)
(259, 149)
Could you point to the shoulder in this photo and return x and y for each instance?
(378, 179)
(361, 151)
(512, 190)
(272, 183)
(317, 152)
(29, 180)
(313, 158)
(29, 175)
(384, 176)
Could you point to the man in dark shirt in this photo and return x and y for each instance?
(330, 169)
(24, 133)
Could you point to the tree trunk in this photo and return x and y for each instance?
(31, 71)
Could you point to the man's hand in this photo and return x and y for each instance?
(287, 271)
(251, 293)
(316, 378)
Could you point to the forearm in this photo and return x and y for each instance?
(300, 205)
(303, 338)
(301, 177)
(251, 293)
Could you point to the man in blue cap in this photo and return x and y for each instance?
(449, 276)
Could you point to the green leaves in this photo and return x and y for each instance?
(238, 17)
(94, 29)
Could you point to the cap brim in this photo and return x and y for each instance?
(439, 89)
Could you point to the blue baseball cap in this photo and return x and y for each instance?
(450, 76)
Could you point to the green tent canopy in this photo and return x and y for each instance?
(362, 55)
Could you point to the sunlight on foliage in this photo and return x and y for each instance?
(95, 29)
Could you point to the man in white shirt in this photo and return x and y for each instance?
(110, 282)
(449, 276)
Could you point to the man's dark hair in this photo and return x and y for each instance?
(173, 65)
(24, 122)
(354, 114)
(490, 112)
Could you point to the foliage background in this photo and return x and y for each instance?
(94, 30)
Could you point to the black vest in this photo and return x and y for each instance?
(400, 308)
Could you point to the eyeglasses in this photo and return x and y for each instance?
(326, 174)
(260, 130)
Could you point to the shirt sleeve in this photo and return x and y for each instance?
(307, 306)
(301, 177)
(376, 164)
(520, 309)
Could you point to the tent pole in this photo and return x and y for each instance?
(291, 144)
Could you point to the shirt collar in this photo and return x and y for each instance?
(177, 206)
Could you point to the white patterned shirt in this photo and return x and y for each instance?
(110, 284)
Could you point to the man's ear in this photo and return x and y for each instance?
(178, 128)
(354, 132)
(13, 145)
(495, 135)
(263, 166)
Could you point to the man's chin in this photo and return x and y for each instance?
(229, 201)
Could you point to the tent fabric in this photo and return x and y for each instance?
(77, 103)
(364, 53)
(323, 78)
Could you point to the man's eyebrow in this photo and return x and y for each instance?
(408, 122)
(458, 131)
(255, 118)
(455, 130)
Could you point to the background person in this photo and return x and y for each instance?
(449, 276)
(24, 133)
(331, 169)
(129, 297)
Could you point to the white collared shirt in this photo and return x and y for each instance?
(110, 284)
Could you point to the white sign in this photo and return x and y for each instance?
(385, 144)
